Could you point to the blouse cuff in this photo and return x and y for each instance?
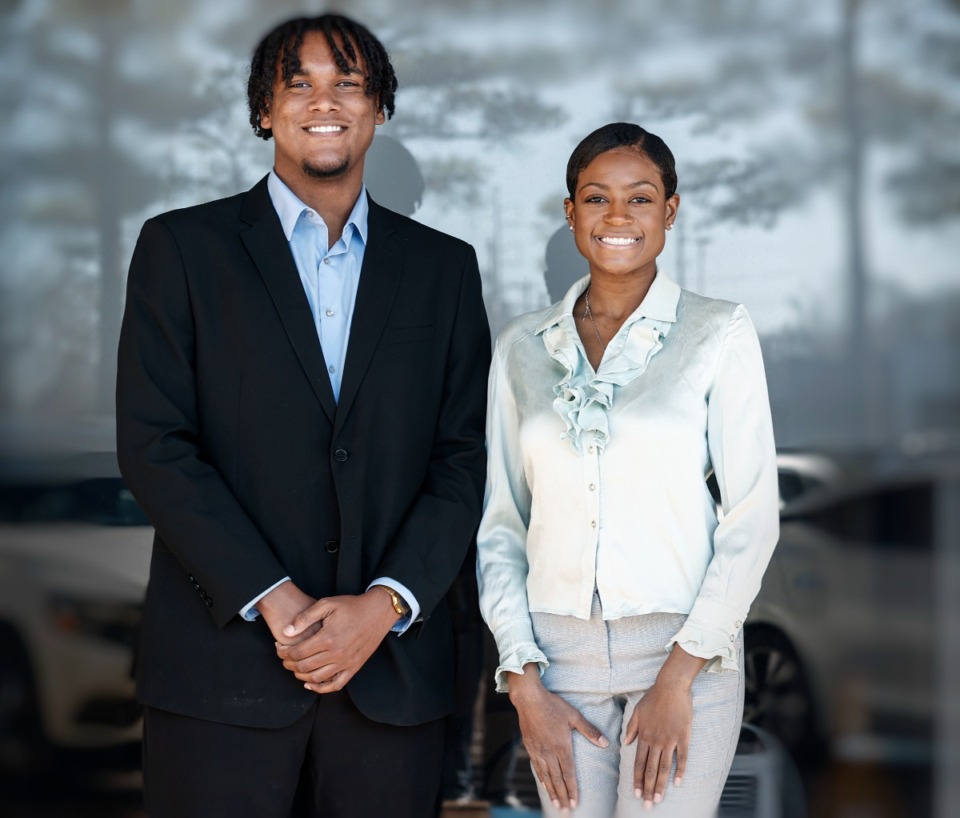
(514, 662)
(517, 648)
(710, 632)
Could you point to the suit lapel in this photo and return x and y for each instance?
(269, 250)
(379, 280)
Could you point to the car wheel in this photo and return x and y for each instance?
(22, 748)
(777, 695)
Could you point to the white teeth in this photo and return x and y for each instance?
(324, 128)
(618, 241)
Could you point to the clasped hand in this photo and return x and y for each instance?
(325, 642)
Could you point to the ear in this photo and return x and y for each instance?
(265, 120)
(568, 212)
(671, 208)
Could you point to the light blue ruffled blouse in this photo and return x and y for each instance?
(596, 479)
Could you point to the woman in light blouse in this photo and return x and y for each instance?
(615, 595)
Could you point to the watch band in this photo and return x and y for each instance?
(399, 603)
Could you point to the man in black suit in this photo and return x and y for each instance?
(300, 408)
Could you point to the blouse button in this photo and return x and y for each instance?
(593, 487)
(732, 637)
(738, 623)
(590, 450)
(593, 523)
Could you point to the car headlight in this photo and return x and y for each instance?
(110, 620)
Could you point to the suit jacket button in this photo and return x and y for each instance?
(332, 546)
(340, 455)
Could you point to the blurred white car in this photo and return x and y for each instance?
(840, 643)
(74, 561)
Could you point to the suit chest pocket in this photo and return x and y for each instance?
(409, 335)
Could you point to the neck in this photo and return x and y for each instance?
(617, 297)
(332, 199)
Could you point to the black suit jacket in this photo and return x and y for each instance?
(229, 436)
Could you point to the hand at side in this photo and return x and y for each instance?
(661, 724)
(546, 722)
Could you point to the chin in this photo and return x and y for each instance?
(327, 171)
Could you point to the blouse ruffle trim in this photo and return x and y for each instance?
(583, 397)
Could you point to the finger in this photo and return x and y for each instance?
(559, 786)
(314, 669)
(663, 775)
(304, 649)
(307, 617)
(585, 728)
(633, 729)
(639, 768)
(681, 764)
(570, 783)
(650, 775)
(543, 773)
(331, 685)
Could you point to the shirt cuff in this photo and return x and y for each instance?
(711, 632)
(250, 613)
(405, 622)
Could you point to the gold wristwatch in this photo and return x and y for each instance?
(399, 603)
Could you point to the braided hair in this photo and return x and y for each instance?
(350, 42)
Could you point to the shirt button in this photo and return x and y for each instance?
(593, 487)
(331, 369)
(326, 259)
(330, 313)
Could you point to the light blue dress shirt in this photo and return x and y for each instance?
(330, 278)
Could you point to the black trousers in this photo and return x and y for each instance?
(331, 763)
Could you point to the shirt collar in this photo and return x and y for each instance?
(289, 207)
(660, 302)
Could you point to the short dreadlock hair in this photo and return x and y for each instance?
(350, 43)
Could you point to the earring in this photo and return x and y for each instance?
(571, 227)
(670, 226)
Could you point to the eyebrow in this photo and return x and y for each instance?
(602, 186)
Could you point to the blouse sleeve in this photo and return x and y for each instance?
(741, 446)
(501, 541)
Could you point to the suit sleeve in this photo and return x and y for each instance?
(432, 542)
(159, 444)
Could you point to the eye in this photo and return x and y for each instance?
(594, 200)
(640, 200)
(299, 84)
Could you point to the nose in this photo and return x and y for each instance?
(323, 99)
(617, 213)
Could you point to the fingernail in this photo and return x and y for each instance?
(657, 798)
(556, 803)
(289, 630)
(603, 742)
(678, 781)
(637, 793)
(308, 688)
(648, 804)
(573, 803)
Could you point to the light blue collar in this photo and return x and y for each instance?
(289, 208)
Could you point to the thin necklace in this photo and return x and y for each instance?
(588, 313)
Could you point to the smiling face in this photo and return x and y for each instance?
(321, 118)
(619, 214)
